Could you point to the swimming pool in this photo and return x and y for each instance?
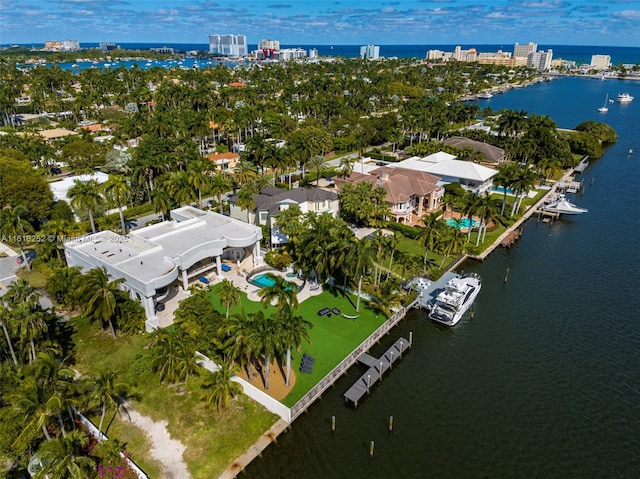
(461, 223)
(263, 281)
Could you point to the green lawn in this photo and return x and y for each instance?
(332, 338)
(213, 440)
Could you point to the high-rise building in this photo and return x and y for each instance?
(370, 52)
(541, 61)
(600, 62)
(229, 45)
(524, 50)
(269, 44)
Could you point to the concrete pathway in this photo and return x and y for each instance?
(8, 251)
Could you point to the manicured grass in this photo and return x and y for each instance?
(212, 439)
(332, 338)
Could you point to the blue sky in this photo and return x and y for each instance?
(325, 22)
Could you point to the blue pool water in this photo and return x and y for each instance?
(500, 189)
(263, 281)
(461, 223)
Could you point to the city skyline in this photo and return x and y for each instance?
(587, 22)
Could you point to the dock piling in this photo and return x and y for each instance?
(390, 423)
(333, 423)
(410, 338)
(371, 446)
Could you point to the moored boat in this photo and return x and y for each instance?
(455, 299)
(624, 98)
(562, 205)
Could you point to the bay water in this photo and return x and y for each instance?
(544, 380)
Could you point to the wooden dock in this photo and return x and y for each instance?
(511, 238)
(377, 368)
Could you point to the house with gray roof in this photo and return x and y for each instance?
(491, 154)
(167, 255)
(270, 201)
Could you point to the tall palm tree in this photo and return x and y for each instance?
(487, 210)
(431, 232)
(265, 337)
(116, 189)
(470, 209)
(66, 457)
(245, 198)
(4, 317)
(220, 184)
(33, 408)
(295, 329)
(361, 261)
(198, 177)
(172, 355)
(161, 202)
(108, 393)
(317, 165)
(505, 178)
(85, 195)
(28, 319)
(229, 294)
(99, 296)
(13, 226)
(221, 388)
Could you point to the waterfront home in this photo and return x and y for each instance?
(491, 154)
(409, 192)
(270, 201)
(471, 176)
(158, 262)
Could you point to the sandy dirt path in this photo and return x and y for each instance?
(168, 452)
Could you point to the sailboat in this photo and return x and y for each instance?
(604, 107)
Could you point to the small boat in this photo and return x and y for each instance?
(455, 299)
(485, 96)
(624, 98)
(630, 153)
(562, 205)
(604, 107)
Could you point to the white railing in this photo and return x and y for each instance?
(95, 432)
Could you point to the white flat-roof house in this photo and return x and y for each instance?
(168, 254)
(471, 176)
(60, 189)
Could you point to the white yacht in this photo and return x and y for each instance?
(564, 206)
(624, 98)
(455, 299)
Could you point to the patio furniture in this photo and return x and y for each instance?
(204, 279)
(335, 311)
(225, 267)
(324, 311)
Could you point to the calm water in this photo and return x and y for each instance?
(545, 380)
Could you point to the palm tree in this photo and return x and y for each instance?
(99, 296)
(117, 190)
(470, 209)
(361, 261)
(108, 393)
(85, 195)
(487, 210)
(295, 329)
(221, 388)
(31, 406)
(172, 355)
(220, 184)
(245, 198)
(4, 316)
(161, 202)
(524, 180)
(431, 232)
(229, 294)
(198, 177)
(265, 337)
(27, 318)
(13, 226)
(283, 293)
(505, 178)
(317, 166)
(65, 457)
